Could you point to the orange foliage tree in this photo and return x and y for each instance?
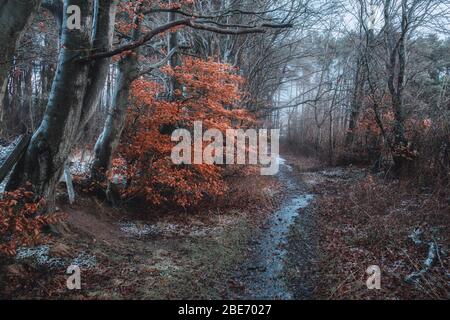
(211, 94)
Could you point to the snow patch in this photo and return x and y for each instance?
(135, 230)
(333, 173)
(5, 151)
(415, 236)
(84, 260)
(40, 255)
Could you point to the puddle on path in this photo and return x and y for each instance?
(264, 279)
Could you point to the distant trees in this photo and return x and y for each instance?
(14, 17)
(375, 114)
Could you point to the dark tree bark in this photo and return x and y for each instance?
(175, 59)
(98, 72)
(72, 98)
(356, 103)
(56, 8)
(115, 122)
(396, 82)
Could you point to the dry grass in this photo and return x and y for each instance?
(365, 220)
(191, 256)
(251, 192)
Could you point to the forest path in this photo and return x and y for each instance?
(263, 273)
(233, 255)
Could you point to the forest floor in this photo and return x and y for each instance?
(308, 233)
(360, 219)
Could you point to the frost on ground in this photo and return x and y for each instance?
(5, 151)
(40, 256)
(132, 229)
(84, 260)
(364, 219)
(333, 173)
(166, 229)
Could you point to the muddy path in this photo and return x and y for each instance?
(232, 255)
(263, 274)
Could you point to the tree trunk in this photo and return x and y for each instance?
(356, 104)
(115, 122)
(174, 60)
(109, 139)
(71, 100)
(98, 72)
(396, 82)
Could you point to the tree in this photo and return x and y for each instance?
(74, 96)
(212, 95)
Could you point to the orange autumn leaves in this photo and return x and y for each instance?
(21, 221)
(209, 92)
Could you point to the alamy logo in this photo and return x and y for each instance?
(239, 146)
(74, 281)
(74, 17)
(374, 281)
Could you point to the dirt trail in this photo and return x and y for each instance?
(232, 255)
(263, 273)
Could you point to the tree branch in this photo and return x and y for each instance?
(190, 22)
(159, 63)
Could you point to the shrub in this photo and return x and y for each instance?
(22, 220)
(211, 94)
